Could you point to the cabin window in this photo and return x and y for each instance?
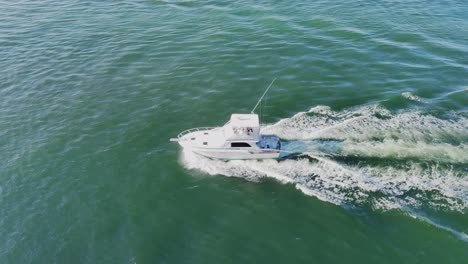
(205, 143)
(240, 145)
(243, 130)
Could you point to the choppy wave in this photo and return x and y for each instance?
(365, 156)
(412, 97)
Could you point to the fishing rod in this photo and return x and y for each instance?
(266, 91)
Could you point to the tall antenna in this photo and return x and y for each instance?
(266, 91)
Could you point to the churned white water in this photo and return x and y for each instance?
(366, 155)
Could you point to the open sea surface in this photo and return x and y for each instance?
(372, 94)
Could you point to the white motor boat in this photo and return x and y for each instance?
(240, 138)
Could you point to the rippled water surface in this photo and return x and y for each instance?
(371, 95)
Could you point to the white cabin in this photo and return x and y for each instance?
(242, 127)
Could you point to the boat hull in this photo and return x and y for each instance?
(224, 154)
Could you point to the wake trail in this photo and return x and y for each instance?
(376, 132)
(368, 156)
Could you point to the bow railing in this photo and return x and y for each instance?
(188, 131)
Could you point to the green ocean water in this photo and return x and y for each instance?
(372, 94)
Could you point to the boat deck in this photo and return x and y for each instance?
(269, 142)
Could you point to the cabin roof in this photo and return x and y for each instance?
(244, 120)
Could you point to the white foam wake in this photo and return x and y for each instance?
(366, 156)
(331, 181)
(412, 97)
(423, 158)
(376, 132)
